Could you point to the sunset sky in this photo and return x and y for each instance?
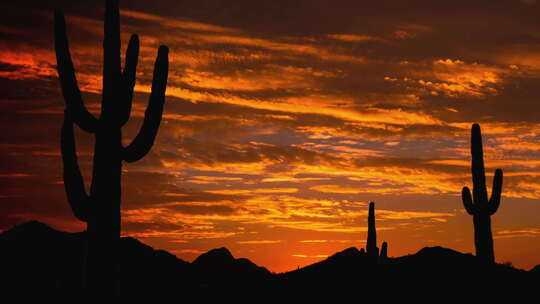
(285, 118)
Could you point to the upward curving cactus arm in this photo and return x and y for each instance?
(467, 201)
(128, 79)
(143, 142)
(68, 81)
(384, 252)
(73, 180)
(495, 199)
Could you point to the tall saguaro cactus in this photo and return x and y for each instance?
(478, 204)
(371, 245)
(101, 208)
(372, 250)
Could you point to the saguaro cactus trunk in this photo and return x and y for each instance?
(478, 204)
(372, 251)
(101, 208)
(371, 245)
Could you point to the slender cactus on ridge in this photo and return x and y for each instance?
(372, 250)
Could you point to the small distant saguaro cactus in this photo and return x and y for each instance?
(101, 208)
(371, 245)
(478, 204)
(384, 252)
(372, 250)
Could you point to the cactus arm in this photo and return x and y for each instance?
(495, 199)
(128, 79)
(384, 251)
(143, 142)
(467, 201)
(68, 80)
(73, 180)
(478, 171)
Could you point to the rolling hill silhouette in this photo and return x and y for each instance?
(36, 259)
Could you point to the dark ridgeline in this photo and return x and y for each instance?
(38, 261)
(101, 209)
(478, 205)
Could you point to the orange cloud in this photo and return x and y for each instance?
(259, 242)
(517, 233)
(352, 37)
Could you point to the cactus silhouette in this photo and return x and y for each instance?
(384, 252)
(372, 250)
(371, 245)
(478, 204)
(101, 208)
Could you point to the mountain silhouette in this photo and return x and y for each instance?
(219, 263)
(36, 259)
